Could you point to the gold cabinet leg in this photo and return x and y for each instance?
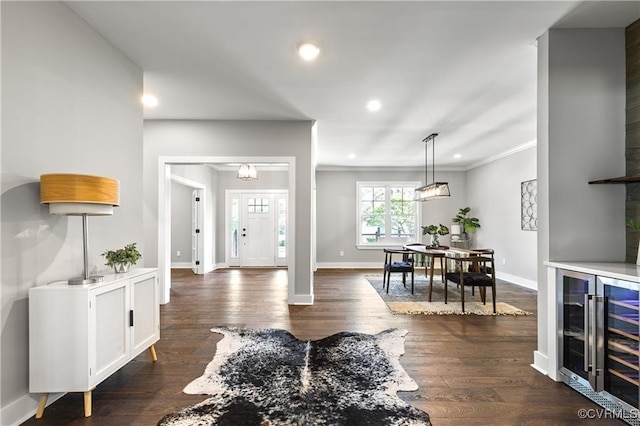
(87, 404)
(154, 356)
(41, 405)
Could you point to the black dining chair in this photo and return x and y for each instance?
(404, 264)
(476, 270)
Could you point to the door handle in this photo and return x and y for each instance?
(587, 335)
(244, 235)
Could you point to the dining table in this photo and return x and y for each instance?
(438, 252)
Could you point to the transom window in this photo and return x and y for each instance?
(387, 213)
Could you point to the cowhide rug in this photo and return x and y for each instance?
(269, 377)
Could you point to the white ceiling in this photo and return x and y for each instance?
(465, 70)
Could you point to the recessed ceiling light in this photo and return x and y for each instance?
(351, 156)
(308, 51)
(149, 100)
(457, 156)
(374, 105)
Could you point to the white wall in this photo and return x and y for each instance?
(184, 138)
(336, 205)
(70, 103)
(493, 193)
(581, 137)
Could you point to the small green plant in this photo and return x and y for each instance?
(128, 255)
(468, 224)
(435, 231)
(634, 224)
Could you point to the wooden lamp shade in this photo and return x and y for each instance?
(80, 195)
(75, 195)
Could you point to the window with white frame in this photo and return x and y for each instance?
(387, 213)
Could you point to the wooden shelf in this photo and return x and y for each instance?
(633, 321)
(617, 346)
(624, 362)
(621, 179)
(629, 304)
(631, 380)
(624, 333)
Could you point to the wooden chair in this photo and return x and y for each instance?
(475, 270)
(403, 264)
(483, 268)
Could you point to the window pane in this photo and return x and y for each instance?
(264, 205)
(282, 228)
(235, 214)
(372, 229)
(403, 226)
(402, 201)
(372, 200)
(388, 214)
(258, 205)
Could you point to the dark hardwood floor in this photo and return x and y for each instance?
(471, 370)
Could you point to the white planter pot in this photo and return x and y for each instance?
(121, 268)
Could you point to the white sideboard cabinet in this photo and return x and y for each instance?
(81, 334)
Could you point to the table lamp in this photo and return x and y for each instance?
(80, 195)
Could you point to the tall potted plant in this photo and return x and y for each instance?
(467, 224)
(123, 258)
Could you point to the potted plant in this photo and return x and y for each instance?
(467, 224)
(122, 258)
(435, 231)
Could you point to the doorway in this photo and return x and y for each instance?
(256, 226)
(188, 225)
(164, 217)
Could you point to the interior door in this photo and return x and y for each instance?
(196, 227)
(257, 230)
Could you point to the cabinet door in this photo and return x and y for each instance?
(622, 361)
(576, 293)
(110, 306)
(146, 313)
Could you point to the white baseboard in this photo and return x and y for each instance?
(350, 265)
(301, 299)
(25, 407)
(541, 363)
(181, 265)
(523, 282)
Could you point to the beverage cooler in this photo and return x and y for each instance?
(599, 340)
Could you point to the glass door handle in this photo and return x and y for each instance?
(587, 334)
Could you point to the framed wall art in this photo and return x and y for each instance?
(529, 205)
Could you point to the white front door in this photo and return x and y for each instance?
(257, 230)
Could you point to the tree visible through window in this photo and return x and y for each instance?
(387, 213)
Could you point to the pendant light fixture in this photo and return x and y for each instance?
(247, 172)
(433, 190)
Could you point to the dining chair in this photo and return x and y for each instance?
(404, 265)
(483, 268)
(475, 270)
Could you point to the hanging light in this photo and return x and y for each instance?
(433, 190)
(247, 172)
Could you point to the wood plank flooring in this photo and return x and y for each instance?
(471, 370)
